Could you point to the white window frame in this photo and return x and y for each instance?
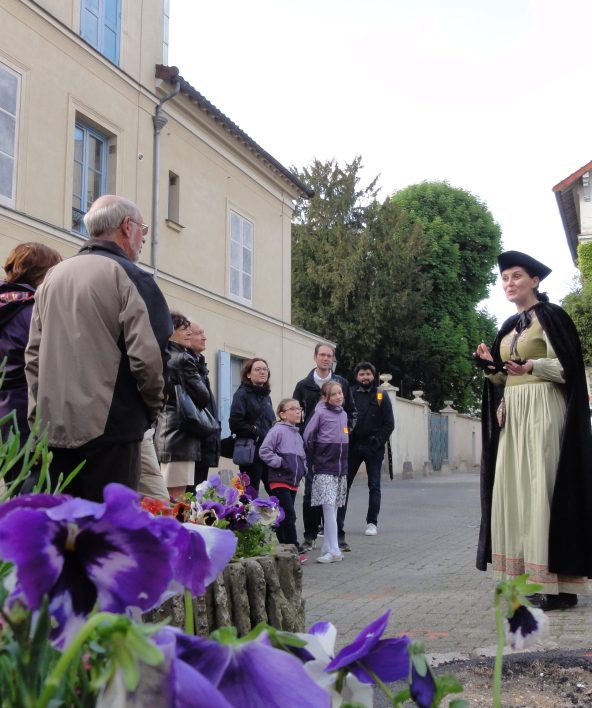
(241, 242)
(85, 202)
(10, 199)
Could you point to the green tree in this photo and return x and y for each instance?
(354, 265)
(463, 241)
(578, 305)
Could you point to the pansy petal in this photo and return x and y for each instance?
(389, 660)
(362, 644)
(129, 567)
(32, 501)
(260, 675)
(74, 509)
(325, 634)
(210, 658)
(182, 684)
(526, 626)
(220, 546)
(423, 688)
(26, 539)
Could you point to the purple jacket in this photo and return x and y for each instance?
(16, 307)
(283, 453)
(326, 439)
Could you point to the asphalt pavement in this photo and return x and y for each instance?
(422, 566)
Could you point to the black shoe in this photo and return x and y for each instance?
(344, 545)
(308, 545)
(563, 601)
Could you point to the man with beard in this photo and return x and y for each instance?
(375, 422)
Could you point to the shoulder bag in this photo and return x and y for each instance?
(193, 420)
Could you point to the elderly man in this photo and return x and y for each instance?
(96, 354)
(210, 445)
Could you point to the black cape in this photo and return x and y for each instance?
(570, 531)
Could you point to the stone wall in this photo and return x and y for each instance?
(249, 591)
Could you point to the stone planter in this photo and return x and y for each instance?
(249, 591)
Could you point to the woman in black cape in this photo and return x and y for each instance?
(536, 468)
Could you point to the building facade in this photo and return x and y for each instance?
(89, 106)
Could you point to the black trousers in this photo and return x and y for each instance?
(286, 531)
(103, 464)
(312, 516)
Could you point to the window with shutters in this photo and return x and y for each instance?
(241, 258)
(90, 171)
(100, 26)
(10, 87)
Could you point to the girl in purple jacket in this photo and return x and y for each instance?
(326, 439)
(283, 453)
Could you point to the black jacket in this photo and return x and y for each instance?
(210, 445)
(375, 421)
(308, 394)
(251, 412)
(173, 444)
(570, 529)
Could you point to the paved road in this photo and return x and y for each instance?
(422, 565)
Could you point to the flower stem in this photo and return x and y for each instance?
(54, 680)
(499, 657)
(189, 626)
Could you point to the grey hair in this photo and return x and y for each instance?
(106, 218)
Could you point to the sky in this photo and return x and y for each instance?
(492, 96)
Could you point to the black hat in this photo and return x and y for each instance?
(513, 259)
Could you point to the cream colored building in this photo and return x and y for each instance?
(88, 106)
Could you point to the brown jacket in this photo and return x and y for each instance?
(96, 353)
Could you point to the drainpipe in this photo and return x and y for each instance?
(159, 122)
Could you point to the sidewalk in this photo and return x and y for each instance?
(422, 565)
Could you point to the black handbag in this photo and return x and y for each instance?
(244, 452)
(227, 446)
(194, 420)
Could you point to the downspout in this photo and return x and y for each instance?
(159, 122)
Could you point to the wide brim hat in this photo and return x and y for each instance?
(517, 259)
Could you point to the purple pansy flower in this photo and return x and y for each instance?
(387, 658)
(422, 688)
(114, 555)
(250, 674)
(526, 626)
(318, 653)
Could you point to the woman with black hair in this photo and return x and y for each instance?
(536, 476)
(178, 449)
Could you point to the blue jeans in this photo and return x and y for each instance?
(373, 457)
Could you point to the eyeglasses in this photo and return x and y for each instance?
(144, 227)
(260, 370)
(292, 408)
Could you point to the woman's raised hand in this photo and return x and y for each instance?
(483, 352)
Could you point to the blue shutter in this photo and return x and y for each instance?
(89, 21)
(224, 391)
(111, 19)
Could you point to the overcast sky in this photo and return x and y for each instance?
(491, 95)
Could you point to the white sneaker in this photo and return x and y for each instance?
(371, 530)
(329, 558)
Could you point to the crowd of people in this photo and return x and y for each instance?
(95, 358)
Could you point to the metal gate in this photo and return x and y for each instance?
(438, 439)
